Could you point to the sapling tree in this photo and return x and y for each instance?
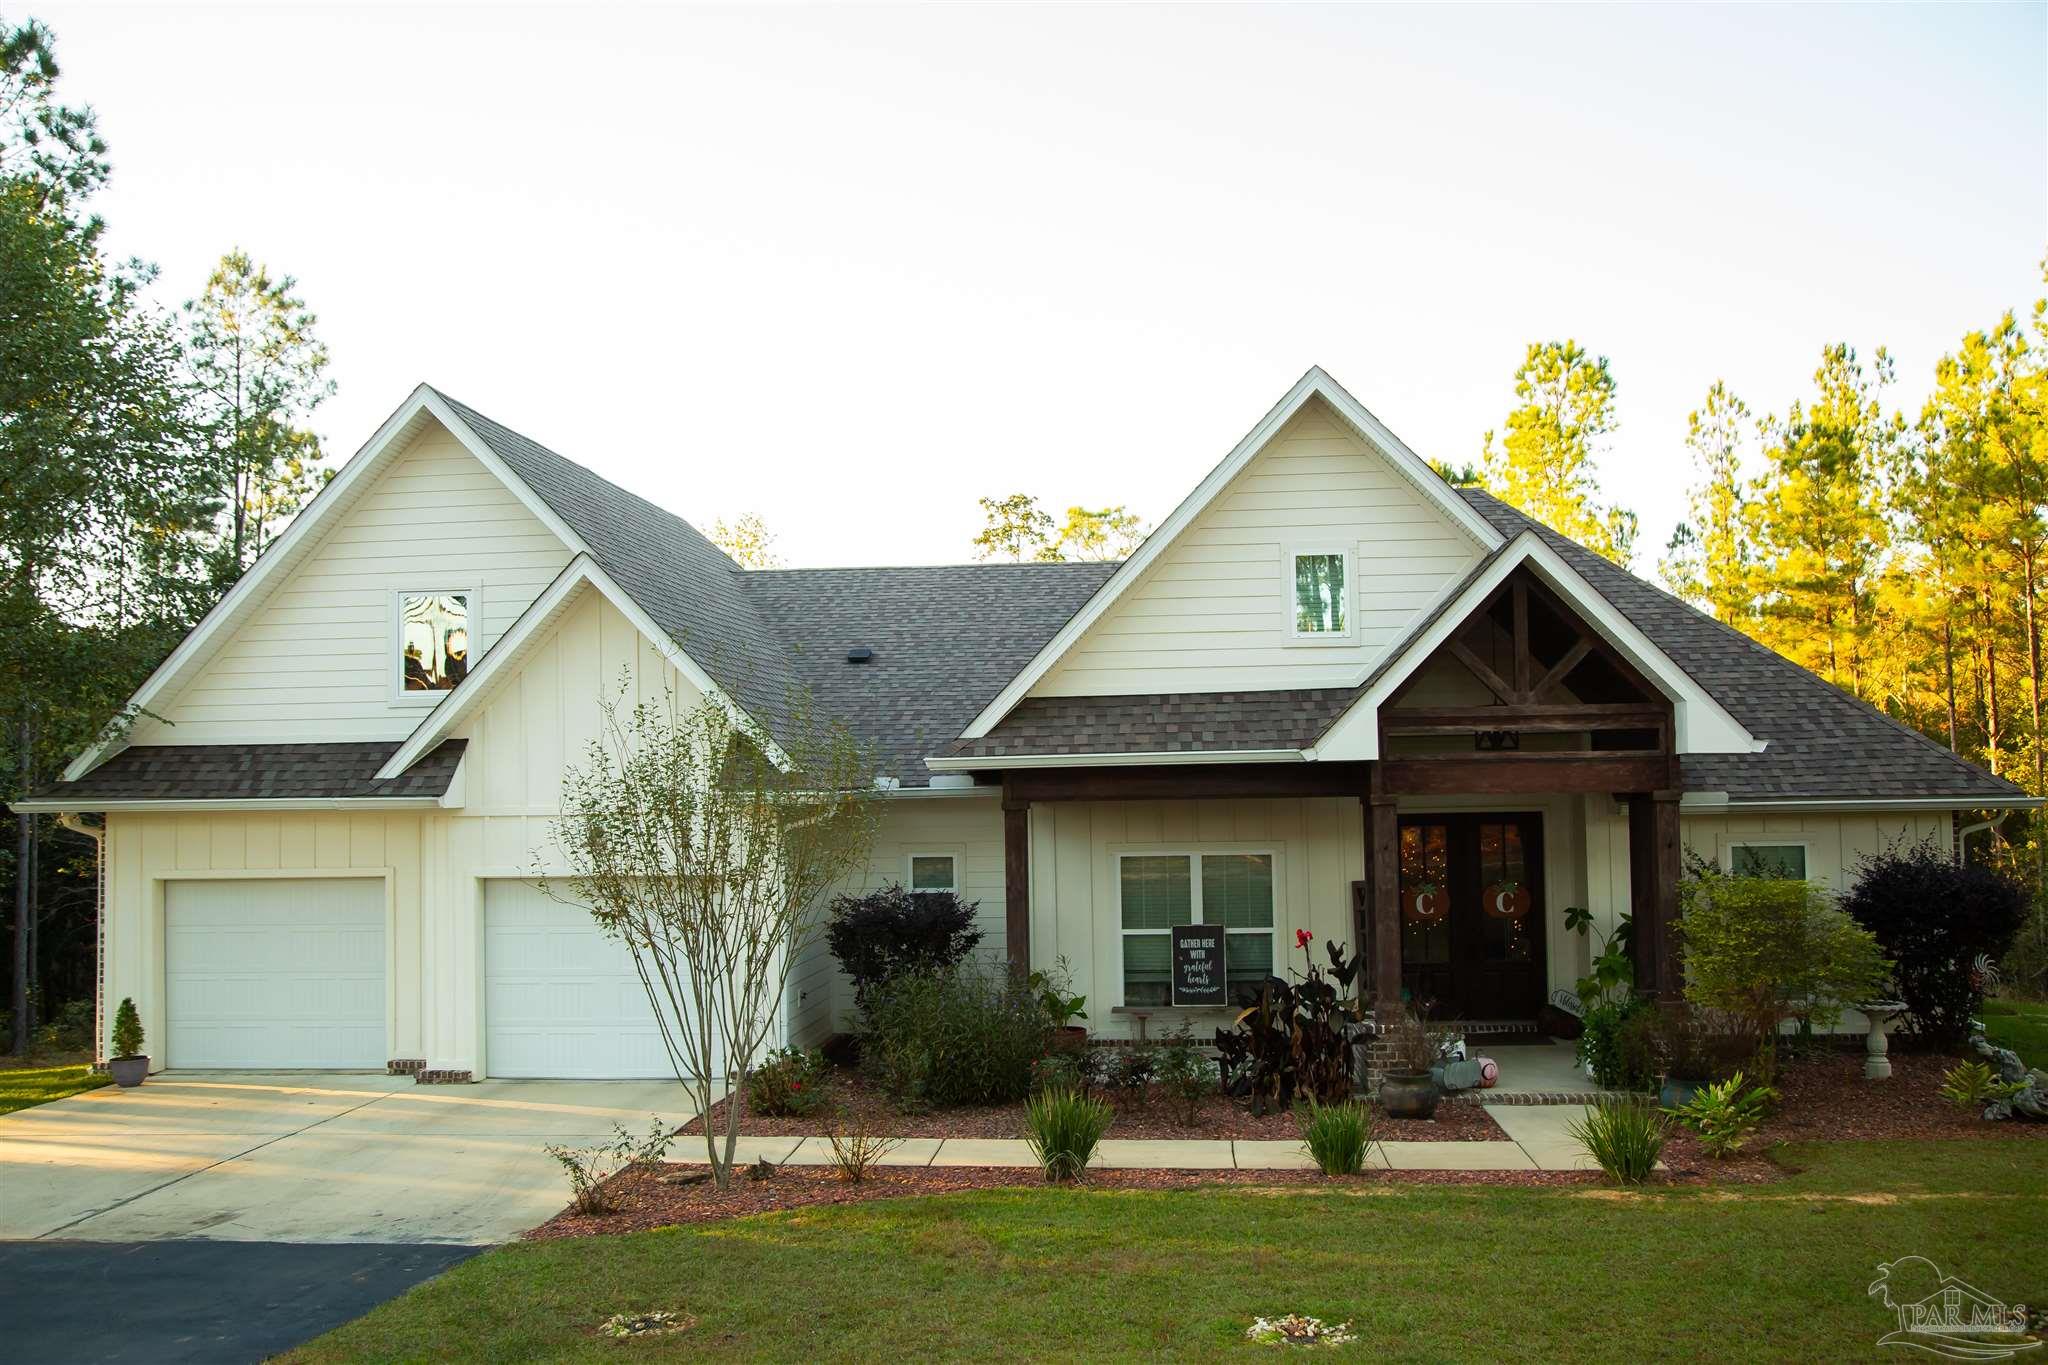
(704, 844)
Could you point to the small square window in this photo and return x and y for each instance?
(1322, 605)
(1768, 860)
(433, 641)
(932, 872)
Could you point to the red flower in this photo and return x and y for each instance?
(1302, 937)
(796, 1085)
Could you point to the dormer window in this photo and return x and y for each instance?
(1318, 580)
(433, 642)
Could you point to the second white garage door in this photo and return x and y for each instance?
(274, 974)
(561, 999)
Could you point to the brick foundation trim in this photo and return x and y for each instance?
(405, 1066)
(443, 1076)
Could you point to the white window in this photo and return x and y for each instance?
(1319, 591)
(933, 872)
(1767, 860)
(432, 643)
(1156, 891)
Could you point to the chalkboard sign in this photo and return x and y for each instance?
(1198, 965)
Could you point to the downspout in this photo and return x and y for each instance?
(98, 834)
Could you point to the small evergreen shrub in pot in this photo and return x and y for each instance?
(1934, 919)
(893, 932)
(129, 1065)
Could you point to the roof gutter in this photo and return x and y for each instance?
(1162, 760)
(1708, 803)
(63, 805)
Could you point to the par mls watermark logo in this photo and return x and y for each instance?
(1944, 1316)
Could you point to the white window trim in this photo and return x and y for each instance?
(473, 597)
(1800, 842)
(1193, 854)
(910, 864)
(1319, 639)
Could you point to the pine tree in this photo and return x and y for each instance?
(1546, 463)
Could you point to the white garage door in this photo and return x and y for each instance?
(561, 999)
(274, 974)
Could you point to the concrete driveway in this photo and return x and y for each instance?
(306, 1158)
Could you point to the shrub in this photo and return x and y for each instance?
(70, 1030)
(1062, 1129)
(1768, 949)
(1295, 1039)
(1725, 1114)
(963, 1036)
(1130, 1072)
(128, 1039)
(1616, 1065)
(589, 1168)
(856, 1152)
(789, 1081)
(1934, 918)
(893, 932)
(1337, 1136)
(1973, 1085)
(1625, 1136)
(1186, 1077)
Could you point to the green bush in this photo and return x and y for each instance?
(1770, 949)
(1185, 1074)
(892, 932)
(964, 1036)
(70, 1030)
(1625, 1136)
(1062, 1129)
(1617, 1065)
(128, 1039)
(788, 1082)
(1337, 1136)
(1725, 1114)
(1973, 1085)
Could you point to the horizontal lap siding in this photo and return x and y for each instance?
(316, 661)
(1213, 613)
(1834, 843)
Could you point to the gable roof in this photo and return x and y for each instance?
(159, 775)
(1316, 384)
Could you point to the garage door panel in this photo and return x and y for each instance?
(561, 999)
(275, 973)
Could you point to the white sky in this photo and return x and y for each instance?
(851, 269)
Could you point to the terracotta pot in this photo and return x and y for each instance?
(1071, 1038)
(1409, 1097)
(128, 1071)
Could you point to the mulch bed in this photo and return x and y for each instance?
(1826, 1097)
(855, 1105)
(645, 1200)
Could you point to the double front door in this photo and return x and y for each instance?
(1472, 914)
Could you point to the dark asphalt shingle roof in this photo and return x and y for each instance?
(1161, 723)
(946, 641)
(258, 772)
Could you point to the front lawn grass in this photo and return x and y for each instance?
(1422, 1272)
(2021, 1025)
(27, 1087)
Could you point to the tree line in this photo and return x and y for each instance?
(147, 456)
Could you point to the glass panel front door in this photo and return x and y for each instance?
(1472, 915)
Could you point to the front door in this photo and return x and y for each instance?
(1472, 914)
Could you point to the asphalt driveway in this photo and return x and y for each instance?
(305, 1158)
(217, 1302)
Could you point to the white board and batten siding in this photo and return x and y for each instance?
(315, 662)
(1214, 612)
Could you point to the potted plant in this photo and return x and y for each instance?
(1408, 1091)
(129, 1064)
(1061, 1008)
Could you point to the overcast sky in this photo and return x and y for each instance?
(852, 268)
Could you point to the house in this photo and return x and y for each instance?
(1330, 693)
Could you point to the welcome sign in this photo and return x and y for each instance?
(1198, 969)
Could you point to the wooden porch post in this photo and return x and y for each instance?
(1383, 862)
(1653, 886)
(1017, 885)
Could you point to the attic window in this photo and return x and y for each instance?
(433, 641)
(1318, 580)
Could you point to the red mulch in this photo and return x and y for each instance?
(853, 1105)
(645, 1201)
(1827, 1098)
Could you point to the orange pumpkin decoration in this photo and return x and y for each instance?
(1507, 900)
(1426, 905)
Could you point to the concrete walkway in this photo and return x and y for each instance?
(319, 1158)
(1537, 1141)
